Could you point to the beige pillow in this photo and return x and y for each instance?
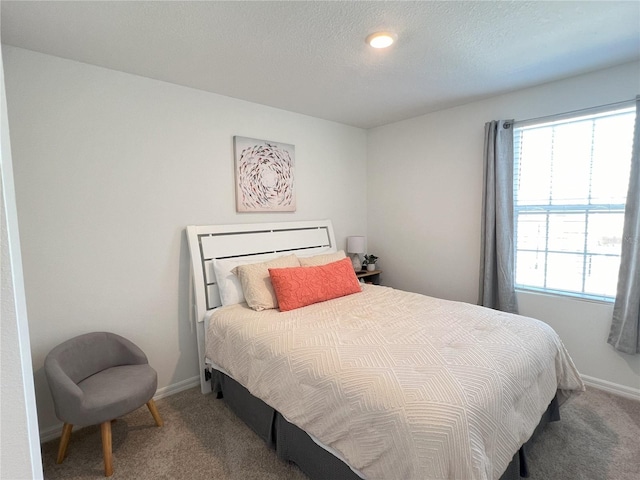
(229, 286)
(256, 284)
(323, 259)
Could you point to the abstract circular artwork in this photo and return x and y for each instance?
(264, 176)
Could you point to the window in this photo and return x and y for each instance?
(570, 185)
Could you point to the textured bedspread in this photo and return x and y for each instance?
(402, 385)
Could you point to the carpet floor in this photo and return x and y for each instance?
(598, 438)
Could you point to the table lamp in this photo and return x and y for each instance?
(355, 247)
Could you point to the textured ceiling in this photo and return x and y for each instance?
(311, 58)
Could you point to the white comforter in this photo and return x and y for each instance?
(401, 385)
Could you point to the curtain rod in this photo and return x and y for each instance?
(559, 116)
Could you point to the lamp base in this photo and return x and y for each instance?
(355, 261)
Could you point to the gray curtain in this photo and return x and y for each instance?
(497, 257)
(625, 327)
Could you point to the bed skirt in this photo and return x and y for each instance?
(294, 445)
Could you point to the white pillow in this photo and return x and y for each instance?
(229, 286)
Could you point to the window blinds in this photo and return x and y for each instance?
(570, 185)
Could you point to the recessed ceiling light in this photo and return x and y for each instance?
(381, 39)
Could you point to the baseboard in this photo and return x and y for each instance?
(177, 387)
(51, 433)
(610, 387)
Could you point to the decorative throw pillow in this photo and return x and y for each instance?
(256, 284)
(302, 286)
(322, 259)
(229, 286)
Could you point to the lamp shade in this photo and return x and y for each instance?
(355, 244)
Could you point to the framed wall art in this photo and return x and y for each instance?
(265, 179)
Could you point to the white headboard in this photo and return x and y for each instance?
(209, 242)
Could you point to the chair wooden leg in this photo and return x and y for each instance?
(154, 411)
(64, 442)
(105, 429)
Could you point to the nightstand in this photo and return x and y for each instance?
(370, 277)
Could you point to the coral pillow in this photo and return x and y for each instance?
(301, 286)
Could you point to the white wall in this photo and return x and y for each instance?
(110, 168)
(19, 442)
(425, 198)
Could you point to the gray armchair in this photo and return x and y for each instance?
(95, 378)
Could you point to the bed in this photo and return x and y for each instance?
(379, 383)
